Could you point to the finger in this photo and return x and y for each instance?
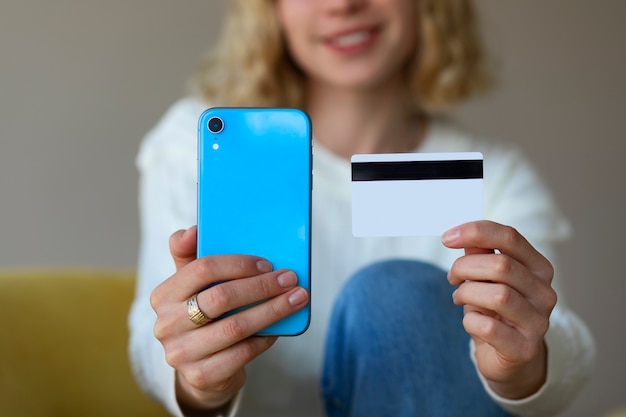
(510, 344)
(199, 343)
(490, 235)
(215, 301)
(208, 270)
(211, 370)
(227, 296)
(248, 322)
(490, 268)
(503, 269)
(509, 306)
(183, 246)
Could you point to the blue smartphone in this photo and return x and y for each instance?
(254, 192)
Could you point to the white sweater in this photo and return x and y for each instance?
(285, 380)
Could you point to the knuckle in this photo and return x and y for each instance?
(232, 265)
(156, 299)
(174, 355)
(220, 296)
(238, 265)
(233, 328)
(241, 264)
(247, 352)
(502, 297)
(546, 301)
(484, 329)
(503, 265)
(197, 378)
(160, 330)
(264, 287)
(277, 312)
(206, 265)
(551, 298)
(487, 328)
(510, 236)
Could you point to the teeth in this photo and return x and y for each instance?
(352, 39)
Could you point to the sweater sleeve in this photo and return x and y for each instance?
(516, 196)
(167, 202)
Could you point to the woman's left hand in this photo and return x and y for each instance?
(505, 288)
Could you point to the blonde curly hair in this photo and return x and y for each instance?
(250, 65)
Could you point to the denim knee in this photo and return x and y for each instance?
(396, 347)
(388, 290)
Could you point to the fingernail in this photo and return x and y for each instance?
(287, 279)
(263, 266)
(298, 297)
(450, 236)
(187, 231)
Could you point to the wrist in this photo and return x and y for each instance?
(222, 411)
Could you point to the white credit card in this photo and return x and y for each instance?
(415, 194)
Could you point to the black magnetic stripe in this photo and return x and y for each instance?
(417, 170)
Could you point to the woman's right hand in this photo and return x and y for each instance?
(209, 360)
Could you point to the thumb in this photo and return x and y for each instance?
(183, 244)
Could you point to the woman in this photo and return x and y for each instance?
(388, 333)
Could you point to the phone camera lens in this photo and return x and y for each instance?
(216, 125)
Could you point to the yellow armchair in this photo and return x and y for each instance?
(63, 345)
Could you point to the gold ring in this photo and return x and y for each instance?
(195, 314)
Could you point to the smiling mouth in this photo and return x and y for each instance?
(352, 39)
(355, 39)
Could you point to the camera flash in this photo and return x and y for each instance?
(216, 146)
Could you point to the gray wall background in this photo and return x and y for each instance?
(82, 81)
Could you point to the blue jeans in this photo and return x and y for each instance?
(397, 347)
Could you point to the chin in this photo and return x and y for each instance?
(368, 76)
(361, 82)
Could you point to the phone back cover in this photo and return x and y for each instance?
(254, 192)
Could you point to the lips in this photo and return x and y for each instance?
(353, 40)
